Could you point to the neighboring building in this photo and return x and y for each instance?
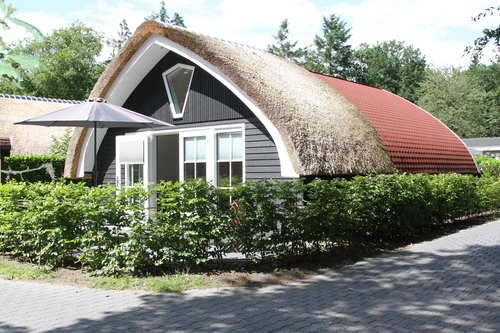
(26, 140)
(484, 146)
(245, 114)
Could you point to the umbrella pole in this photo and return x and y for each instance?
(94, 172)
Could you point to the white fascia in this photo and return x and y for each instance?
(141, 63)
(152, 51)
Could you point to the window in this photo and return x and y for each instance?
(177, 82)
(130, 159)
(133, 174)
(229, 159)
(195, 158)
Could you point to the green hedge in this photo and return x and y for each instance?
(194, 222)
(22, 162)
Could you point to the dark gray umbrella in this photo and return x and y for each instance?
(96, 113)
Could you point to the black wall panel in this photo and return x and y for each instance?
(209, 100)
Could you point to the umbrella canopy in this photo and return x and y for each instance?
(95, 113)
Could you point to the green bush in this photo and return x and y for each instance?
(23, 162)
(110, 232)
(490, 167)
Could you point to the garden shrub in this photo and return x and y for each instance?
(23, 162)
(489, 167)
(110, 231)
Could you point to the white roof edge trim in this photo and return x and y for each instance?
(86, 159)
(146, 50)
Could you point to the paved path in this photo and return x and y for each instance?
(447, 285)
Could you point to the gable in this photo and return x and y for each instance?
(209, 100)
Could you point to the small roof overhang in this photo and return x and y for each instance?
(5, 144)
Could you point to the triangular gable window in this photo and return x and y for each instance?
(177, 82)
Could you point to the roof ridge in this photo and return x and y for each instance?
(170, 25)
(40, 99)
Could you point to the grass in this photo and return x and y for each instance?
(167, 283)
(11, 271)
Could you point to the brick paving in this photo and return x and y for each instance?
(451, 284)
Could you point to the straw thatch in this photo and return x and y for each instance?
(28, 139)
(323, 132)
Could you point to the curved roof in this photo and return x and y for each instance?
(415, 140)
(322, 131)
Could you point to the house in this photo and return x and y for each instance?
(484, 146)
(244, 114)
(23, 139)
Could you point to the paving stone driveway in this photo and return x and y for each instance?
(451, 284)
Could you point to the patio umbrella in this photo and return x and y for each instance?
(95, 113)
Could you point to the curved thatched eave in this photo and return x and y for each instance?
(323, 133)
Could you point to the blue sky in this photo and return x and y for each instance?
(439, 28)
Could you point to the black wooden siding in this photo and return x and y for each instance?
(209, 103)
(261, 155)
(209, 100)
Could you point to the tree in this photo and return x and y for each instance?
(332, 56)
(391, 66)
(71, 57)
(285, 48)
(178, 20)
(9, 62)
(59, 145)
(460, 102)
(489, 35)
(160, 16)
(163, 17)
(123, 35)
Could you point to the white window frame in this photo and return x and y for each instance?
(171, 100)
(209, 151)
(216, 171)
(149, 138)
(126, 140)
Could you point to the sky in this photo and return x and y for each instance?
(441, 29)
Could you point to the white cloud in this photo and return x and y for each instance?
(440, 29)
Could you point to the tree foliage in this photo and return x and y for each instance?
(285, 48)
(332, 55)
(123, 35)
(10, 62)
(458, 99)
(178, 20)
(71, 57)
(489, 35)
(391, 66)
(162, 16)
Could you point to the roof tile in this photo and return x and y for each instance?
(415, 140)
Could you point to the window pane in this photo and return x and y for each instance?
(236, 173)
(223, 174)
(200, 148)
(201, 170)
(223, 147)
(137, 173)
(178, 84)
(189, 171)
(237, 146)
(189, 149)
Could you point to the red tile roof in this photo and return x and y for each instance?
(415, 140)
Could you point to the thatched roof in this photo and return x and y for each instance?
(322, 131)
(28, 139)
